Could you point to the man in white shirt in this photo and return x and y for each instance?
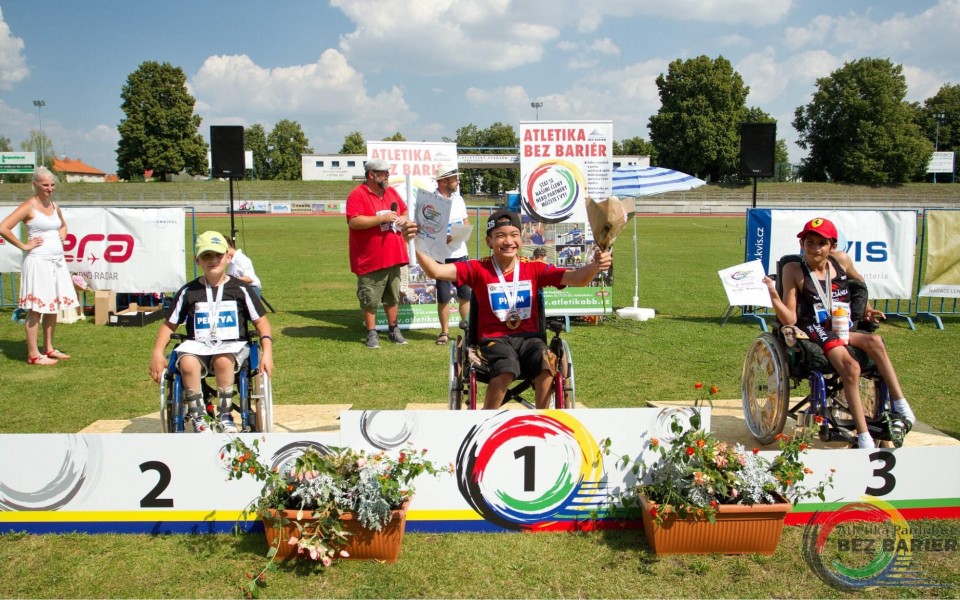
(448, 185)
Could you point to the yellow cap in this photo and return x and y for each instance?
(211, 241)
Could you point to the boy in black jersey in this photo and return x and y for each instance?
(215, 309)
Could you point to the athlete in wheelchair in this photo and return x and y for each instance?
(806, 344)
(507, 317)
(216, 309)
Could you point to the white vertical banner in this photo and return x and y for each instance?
(422, 161)
(561, 164)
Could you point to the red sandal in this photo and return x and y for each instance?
(41, 359)
(56, 354)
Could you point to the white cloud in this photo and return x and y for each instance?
(328, 97)
(13, 64)
(764, 76)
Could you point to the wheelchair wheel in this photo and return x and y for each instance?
(172, 412)
(568, 383)
(261, 402)
(455, 384)
(766, 388)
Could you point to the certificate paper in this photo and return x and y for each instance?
(432, 216)
(744, 284)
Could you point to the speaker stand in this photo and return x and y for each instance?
(754, 192)
(233, 230)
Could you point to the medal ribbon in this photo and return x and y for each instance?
(214, 307)
(511, 294)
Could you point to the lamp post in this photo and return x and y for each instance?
(536, 106)
(936, 139)
(40, 104)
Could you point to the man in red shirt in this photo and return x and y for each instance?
(505, 288)
(376, 216)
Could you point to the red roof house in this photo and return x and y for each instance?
(72, 171)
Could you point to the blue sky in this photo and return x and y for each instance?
(426, 67)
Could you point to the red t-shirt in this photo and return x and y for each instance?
(489, 293)
(378, 247)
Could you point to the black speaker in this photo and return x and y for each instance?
(226, 151)
(758, 145)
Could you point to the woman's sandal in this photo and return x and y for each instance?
(41, 359)
(57, 354)
(443, 338)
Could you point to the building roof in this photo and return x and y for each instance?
(67, 165)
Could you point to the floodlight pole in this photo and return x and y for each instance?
(537, 106)
(40, 104)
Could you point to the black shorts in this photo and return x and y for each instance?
(445, 288)
(523, 356)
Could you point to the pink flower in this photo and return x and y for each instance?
(327, 561)
(293, 540)
(361, 462)
(314, 553)
(734, 493)
(344, 554)
(721, 460)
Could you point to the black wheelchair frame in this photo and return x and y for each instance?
(466, 371)
(772, 368)
(254, 394)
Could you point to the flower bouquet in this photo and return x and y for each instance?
(307, 508)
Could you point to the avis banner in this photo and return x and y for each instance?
(128, 250)
(882, 243)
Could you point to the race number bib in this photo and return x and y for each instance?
(500, 299)
(228, 322)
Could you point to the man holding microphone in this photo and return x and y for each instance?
(376, 215)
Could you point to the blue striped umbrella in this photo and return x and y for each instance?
(635, 181)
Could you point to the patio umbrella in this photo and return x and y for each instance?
(636, 181)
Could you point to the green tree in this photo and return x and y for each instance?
(939, 120)
(397, 137)
(34, 142)
(468, 142)
(353, 143)
(635, 146)
(160, 130)
(287, 144)
(496, 137)
(696, 130)
(859, 129)
(5, 144)
(255, 140)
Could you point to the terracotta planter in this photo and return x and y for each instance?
(362, 544)
(740, 529)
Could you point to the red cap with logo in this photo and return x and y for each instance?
(821, 227)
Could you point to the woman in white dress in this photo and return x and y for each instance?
(45, 284)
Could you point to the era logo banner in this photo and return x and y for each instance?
(118, 247)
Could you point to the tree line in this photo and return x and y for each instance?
(857, 128)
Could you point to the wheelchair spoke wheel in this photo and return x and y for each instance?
(261, 400)
(455, 385)
(569, 383)
(766, 388)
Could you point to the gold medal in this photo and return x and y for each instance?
(513, 319)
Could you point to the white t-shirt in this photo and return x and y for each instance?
(242, 266)
(458, 214)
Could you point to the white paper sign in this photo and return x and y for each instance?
(432, 215)
(744, 284)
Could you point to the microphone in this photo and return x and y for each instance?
(394, 206)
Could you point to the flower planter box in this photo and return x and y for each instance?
(362, 544)
(740, 529)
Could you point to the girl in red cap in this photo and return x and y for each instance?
(810, 288)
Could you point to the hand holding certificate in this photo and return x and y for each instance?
(744, 284)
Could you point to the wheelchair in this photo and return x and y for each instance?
(772, 368)
(254, 394)
(467, 371)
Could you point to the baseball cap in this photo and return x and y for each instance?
(210, 241)
(821, 227)
(502, 218)
(376, 165)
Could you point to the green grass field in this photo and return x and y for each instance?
(321, 359)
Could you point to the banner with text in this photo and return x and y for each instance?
(941, 275)
(882, 243)
(128, 250)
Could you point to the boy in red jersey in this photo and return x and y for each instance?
(505, 288)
